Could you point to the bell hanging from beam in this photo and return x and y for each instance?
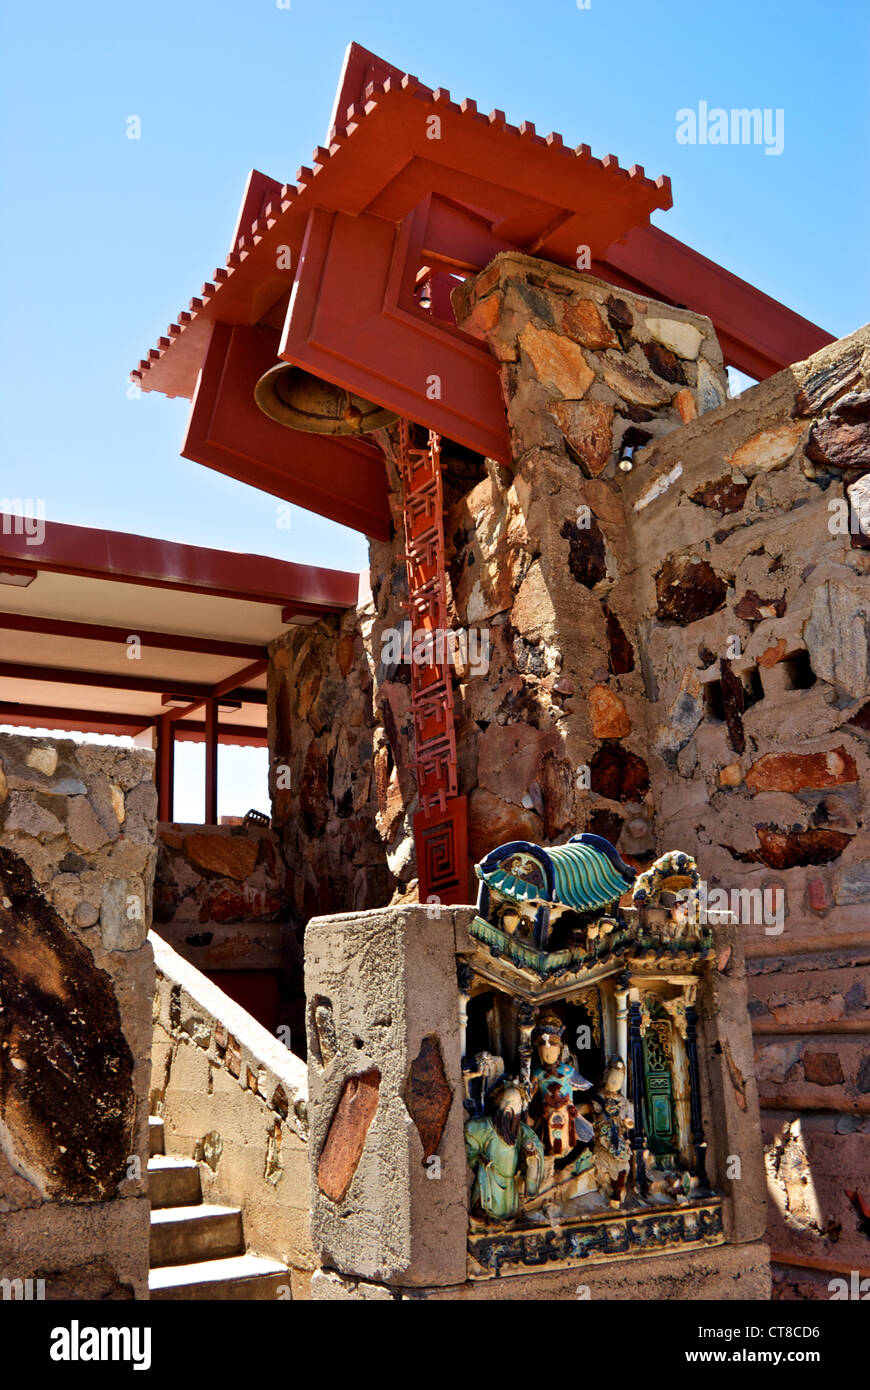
(302, 401)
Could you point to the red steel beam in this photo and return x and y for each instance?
(758, 335)
(165, 768)
(64, 675)
(102, 632)
(244, 735)
(341, 478)
(69, 718)
(129, 559)
(211, 762)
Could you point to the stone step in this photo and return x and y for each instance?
(184, 1235)
(173, 1182)
(237, 1277)
(155, 1135)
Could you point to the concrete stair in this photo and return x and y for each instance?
(198, 1248)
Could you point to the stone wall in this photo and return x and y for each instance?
(753, 614)
(76, 976)
(235, 1098)
(219, 901)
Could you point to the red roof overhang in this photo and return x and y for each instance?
(196, 622)
(413, 183)
(130, 559)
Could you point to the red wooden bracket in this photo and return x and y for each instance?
(334, 476)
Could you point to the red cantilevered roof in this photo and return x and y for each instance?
(413, 188)
(396, 144)
(110, 633)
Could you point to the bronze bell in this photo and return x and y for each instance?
(302, 401)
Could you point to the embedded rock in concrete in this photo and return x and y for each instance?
(428, 1094)
(823, 1068)
(826, 383)
(752, 608)
(583, 321)
(724, 495)
(68, 1102)
(680, 337)
(711, 393)
(494, 821)
(792, 772)
(608, 713)
(688, 588)
(664, 363)
(621, 658)
(618, 774)
(852, 884)
(587, 427)
(557, 361)
(842, 440)
(633, 385)
(767, 451)
(346, 1136)
(795, 848)
(587, 553)
(838, 637)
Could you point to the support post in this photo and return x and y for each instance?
(165, 768)
(211, 761)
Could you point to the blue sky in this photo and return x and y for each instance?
(105, 238)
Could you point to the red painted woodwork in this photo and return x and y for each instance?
(211, 762)
(131, 559)
(758, 335)
(386, 348)
(536, 192)
(382, 207)
(334, 476)
(165, 769)
(440, 834)
(103, 632)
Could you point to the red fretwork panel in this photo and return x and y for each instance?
(440, 832)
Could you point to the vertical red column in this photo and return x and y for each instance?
(440, 826)
(211, 762)
(165, 768)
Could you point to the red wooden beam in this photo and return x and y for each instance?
(375, 343)
(211, 762)
(101, 632)
(165, 769)
(64, 675)
(74, 720)
(336, 477)
(129, 559)
(243, 735)
(758, 335)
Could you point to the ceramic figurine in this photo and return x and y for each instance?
(505, 1155)
(673, 872)
(524, 888)
(614, 1122)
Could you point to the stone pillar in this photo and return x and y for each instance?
(591, 376)
(388, 1171)
(77, 859)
